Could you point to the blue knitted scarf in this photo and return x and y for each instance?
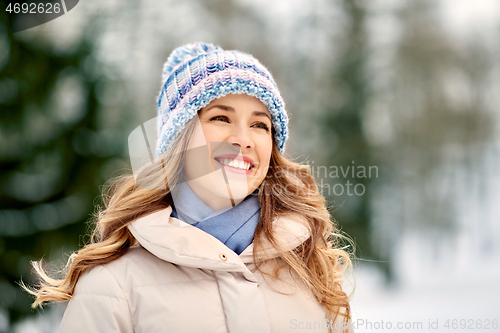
(235, 227)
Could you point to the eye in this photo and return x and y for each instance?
(262, 125)
(220, 118)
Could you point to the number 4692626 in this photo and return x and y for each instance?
(471, 324)
(33, 8)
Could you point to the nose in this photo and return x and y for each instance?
(241, 137)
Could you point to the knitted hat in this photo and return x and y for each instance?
(196, 74)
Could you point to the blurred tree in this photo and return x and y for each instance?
(55, 151)
(343, 141)
(428, 125)
(237, 25)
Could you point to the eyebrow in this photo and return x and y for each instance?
(231, 109)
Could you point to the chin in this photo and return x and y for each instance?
(214, 184)
(238, 190)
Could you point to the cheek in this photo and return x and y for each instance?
(198, 137)
(212, 133)
(265, 149)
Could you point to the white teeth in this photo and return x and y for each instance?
(238, 164)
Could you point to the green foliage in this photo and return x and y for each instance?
(52, 151)
(342, 123)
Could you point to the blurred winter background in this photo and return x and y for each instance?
(410, 88)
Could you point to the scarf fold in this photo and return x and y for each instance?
(233, 226)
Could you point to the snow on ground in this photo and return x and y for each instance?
(380, 308)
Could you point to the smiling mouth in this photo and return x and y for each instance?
(237, 164)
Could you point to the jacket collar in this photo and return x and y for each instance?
(180, 243)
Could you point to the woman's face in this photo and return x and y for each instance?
(237, 130)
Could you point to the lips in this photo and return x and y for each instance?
(236, 163)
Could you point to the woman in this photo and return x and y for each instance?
(220, 232)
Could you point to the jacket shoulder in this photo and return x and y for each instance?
(98, 281)
(102, 279)
(138, 267)
(97, 305)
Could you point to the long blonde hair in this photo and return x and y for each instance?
(319, 262)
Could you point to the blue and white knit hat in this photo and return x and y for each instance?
(196, 74)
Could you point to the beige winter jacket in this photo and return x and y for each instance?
(182, 279)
